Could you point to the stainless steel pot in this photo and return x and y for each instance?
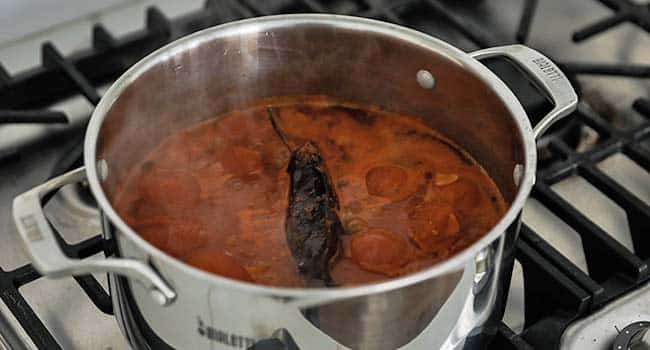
(235, 65)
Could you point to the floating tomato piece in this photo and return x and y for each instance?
(140, 208)
(468, 195)
(241, 160)
(464, 194)
(155, 230)
(218, 261)
(380, 251)
(432, 223)
(174, 236)
(171, 189)
(389, 181)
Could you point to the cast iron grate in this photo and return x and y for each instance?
(11, 281)
(60, 77)
(570, 292)
(624, 11)
(608, 278)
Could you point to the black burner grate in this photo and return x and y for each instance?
(58, 78)
(569, 292)
(624, 11)
(11, 281)
(613, 269)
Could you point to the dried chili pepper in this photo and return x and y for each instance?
(312, 224)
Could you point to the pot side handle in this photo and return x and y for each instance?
(545, 74)
(48, 258)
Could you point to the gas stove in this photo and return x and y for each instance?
(581, 276)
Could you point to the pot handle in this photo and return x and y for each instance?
(545, 74)
(48, 258)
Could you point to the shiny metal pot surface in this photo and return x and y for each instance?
(234, 66)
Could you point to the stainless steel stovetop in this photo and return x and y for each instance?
(76, 323)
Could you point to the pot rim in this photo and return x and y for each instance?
(456, 262)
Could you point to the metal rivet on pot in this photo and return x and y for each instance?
(102, 169)
(158, 297)
(425, 79)
(517, 173)
(481, 262)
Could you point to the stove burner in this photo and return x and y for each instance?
(633, 337)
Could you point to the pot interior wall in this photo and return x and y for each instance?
(235, 67)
